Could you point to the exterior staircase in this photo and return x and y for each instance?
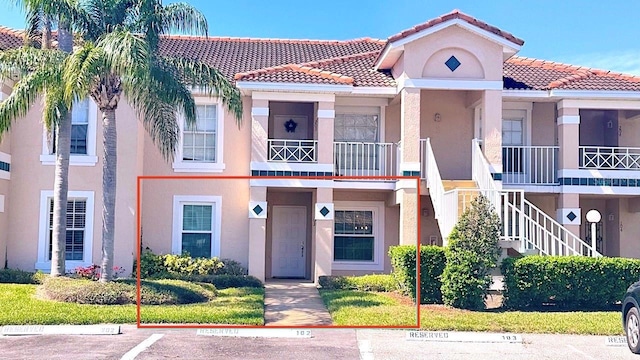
(525, 228)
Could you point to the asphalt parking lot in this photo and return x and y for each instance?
(324, 344)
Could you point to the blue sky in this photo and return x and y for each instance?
(601, 34)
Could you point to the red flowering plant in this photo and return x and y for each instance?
(92, 272)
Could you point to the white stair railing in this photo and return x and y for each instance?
(365, 158)
(431, 173)
(521, 220)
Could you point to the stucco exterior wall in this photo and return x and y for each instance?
(629, 131)
(451, 136)
(598, 128)
(629, 230)
(429, 228)
(471, 50)
(30, 177)
(4, 221)
(543, 126)
(277, 131)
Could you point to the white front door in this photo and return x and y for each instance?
(288, 241)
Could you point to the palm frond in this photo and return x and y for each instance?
(81, 69)
(124, 51)
(203, 77)
(24, 94)
(183, 18)
(55, 107)
(24, 60)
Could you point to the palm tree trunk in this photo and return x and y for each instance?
(108, 191)
(46, 32)
(61, 178)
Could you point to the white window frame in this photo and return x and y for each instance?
(378, 208)
(189, 166)
(216, 221)
(43, 262)
(90, 159)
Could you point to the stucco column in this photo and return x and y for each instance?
(569, 213)
(325, 119)
(323, 233)
(492, 130)
(408, 216)
(257, 231)
(568, 138)
(410, 132)
(259, 130)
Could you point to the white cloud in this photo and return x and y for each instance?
(627, 62)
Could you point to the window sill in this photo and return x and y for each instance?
(74, 160)
(69, 265)
(369, 266)
(198, 167)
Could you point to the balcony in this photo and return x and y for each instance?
(365, 159)
(530, 165)
(292, 151)
(609, 158)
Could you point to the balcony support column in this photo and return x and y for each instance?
(568, 213)
(259, 130)
(568, 137)
(492, 130)
(409, 132)
(324, 124)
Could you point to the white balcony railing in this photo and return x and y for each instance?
(365, 159)
(299, 151)
(530, 165)
(609, 158)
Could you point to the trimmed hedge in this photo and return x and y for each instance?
(432, 263)
(119, 292)
(10, 276)
(374, 282)
(568, 282)
(219, 281)
(163, 266)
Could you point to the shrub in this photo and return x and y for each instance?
(568, 282)
(155, 292)
(21, 277)
(472, 252)
(166, 266)
(432, 263)
(219, 281)
(374, 282)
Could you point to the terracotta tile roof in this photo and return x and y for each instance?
(10, 38)
(241, 55)
(456, 14)
(528, 73)
(351, 70)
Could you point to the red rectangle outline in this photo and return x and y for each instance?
(249, 177)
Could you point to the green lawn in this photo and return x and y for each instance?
(439, 317)
(350, 308)
(18, 305)
(360, 308)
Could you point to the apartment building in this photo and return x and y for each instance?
(336, 135)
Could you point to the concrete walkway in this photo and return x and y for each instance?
(294, 303)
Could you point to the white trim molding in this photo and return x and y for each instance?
(6, 158)
(326, 114)
(43, 262)
(257, 209)
(292, 96)
(216, 220)
(285, 166)
(450, 84)
(564, 216)
(569, 120)
(378, 209)
(47, 157)
(203, 167)
(259, 111)
(319, 210)
(1, 203)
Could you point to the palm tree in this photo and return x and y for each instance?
(121, 56)
(39, 14)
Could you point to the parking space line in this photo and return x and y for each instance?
(131, 354)
(581, 352)
(366, 350)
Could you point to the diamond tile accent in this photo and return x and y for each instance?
(258, 209)
(324, 211)
(452, 63)
(571, 216)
